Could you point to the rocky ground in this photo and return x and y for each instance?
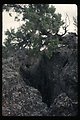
(19, 99)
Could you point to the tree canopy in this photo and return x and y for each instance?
(40, 30)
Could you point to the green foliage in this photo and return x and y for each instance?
(40, 20)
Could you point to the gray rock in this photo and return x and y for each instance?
(17, 98)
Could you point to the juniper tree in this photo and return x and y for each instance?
(40, 28)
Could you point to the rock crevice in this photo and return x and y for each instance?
(56, 75)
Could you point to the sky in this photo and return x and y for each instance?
(71, 10)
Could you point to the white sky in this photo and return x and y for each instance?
(70, 9)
